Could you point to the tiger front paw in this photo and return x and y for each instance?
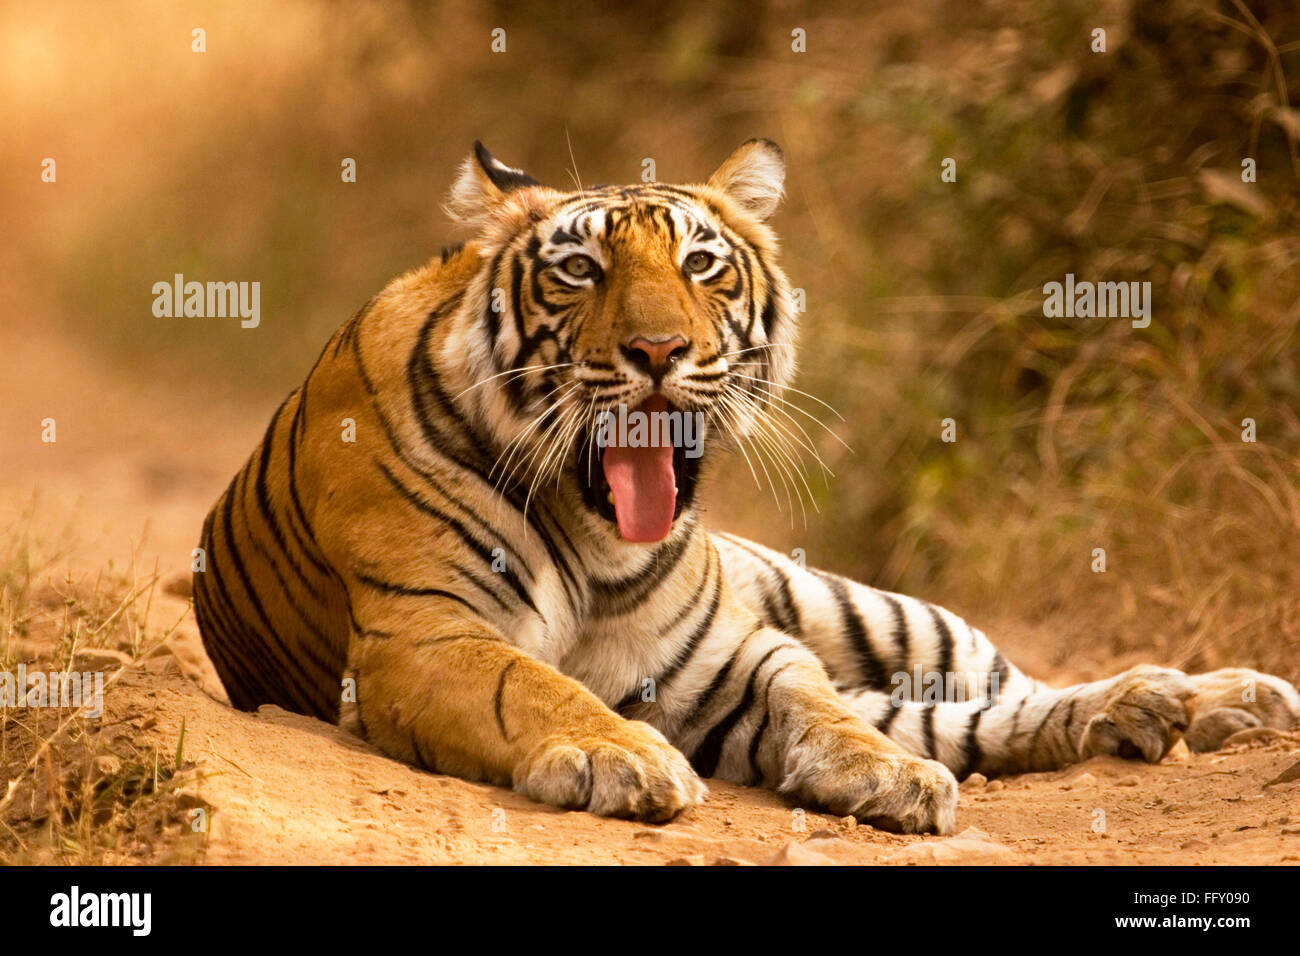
(853, 772)
(629, 770)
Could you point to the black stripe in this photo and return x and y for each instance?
(698, 633)
(491, 316)
(350, 329)
(790, 621)
(763, 724)
(473, 543)
(769, 307)
(697, 594)
(634, 696)
(498, 699)
(771, 615)
(927, 724)
(364, 632)
(479, 583)
(610, 598)
(945, 640)
(970, 751)
(709, 752)
(1015, 718)
(855, 629)
(701, 703)
(430, 641)
(267, 636)
(486, 529)
(1003, 671)
(1069, 719)
(891, 714)
(298, 511)
(426, 390)
(1038, 731)
(427, 393)
(255, 662)
(220, 647)
(267, 510)
(569, 578)
(901, 632)
(408, 590)
(318, 636)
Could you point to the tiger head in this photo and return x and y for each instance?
(619, 337)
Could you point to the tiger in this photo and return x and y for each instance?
(438, 546)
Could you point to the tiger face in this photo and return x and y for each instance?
(626, 334)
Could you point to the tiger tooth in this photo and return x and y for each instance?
(610, 497)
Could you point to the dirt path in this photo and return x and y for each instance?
(129, 470)
(289, 789)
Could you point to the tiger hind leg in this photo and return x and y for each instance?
(891, 651)
(1140, 713)
(1235, 699)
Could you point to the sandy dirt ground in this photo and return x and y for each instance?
(136, 469)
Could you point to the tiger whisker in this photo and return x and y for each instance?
(776, 397)
(797, 391)
(553, 445)
(778, 445)
(513, 373)
(805, 442)
(516, 444)
(781, 450)
(571, 436)
(782, 460)
(722, 421)
(729, 402)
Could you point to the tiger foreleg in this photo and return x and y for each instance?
(455, 698)
(777, 720)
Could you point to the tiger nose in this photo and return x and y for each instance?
(655, 357)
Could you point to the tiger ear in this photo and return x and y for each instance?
(482, 183)
(753, 177)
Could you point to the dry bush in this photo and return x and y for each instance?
(79, 789)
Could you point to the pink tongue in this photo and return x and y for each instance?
(644, 487)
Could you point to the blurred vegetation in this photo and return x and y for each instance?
(924, 297)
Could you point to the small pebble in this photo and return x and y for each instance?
(796, 854)
(1083, 780)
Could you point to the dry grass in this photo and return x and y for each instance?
(79, 789)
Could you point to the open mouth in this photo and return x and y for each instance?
(641, 487)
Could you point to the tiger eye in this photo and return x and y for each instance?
(699, 261)
(580, 267)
